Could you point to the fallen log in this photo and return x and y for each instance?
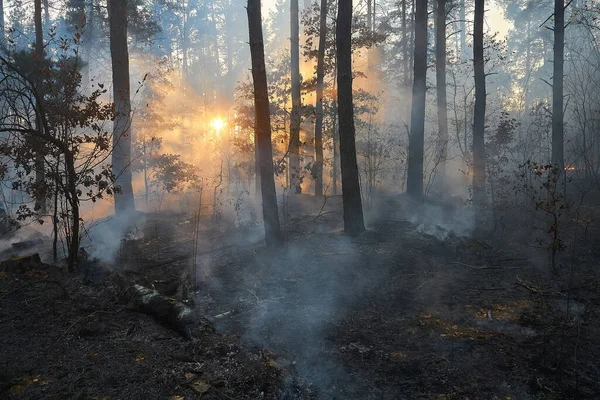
(168, 311)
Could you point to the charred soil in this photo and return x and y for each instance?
(401, 311)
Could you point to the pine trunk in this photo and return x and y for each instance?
(121, 157)
(46, 13)
(479, 111)
(416, 146)
(2, 16)
(351, 198)
(557, 86)
(440, 74)
(273, 237)
(40, 167)
(295, 115)
(319, 106)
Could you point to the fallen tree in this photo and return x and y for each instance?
(169, 312)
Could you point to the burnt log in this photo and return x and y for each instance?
(169, 312)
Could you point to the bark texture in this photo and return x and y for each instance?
(440, 75)
(351, 198)
(273, 235)
(319, 105)
(479, 111)
(294, 153)
(557, 86)
(40, 167)
(121, 157)
(416, 147)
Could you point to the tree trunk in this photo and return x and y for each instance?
(319, 106)
(88, 38)
(2, 16)
(295, 115)
(557, 86)
(416, 146)
(463, 29)
(479, 110)
(352, 202)
(411, 51)
(40, 172)
(121, 157)
(335, 170)
(273, 237)
(229, 48)
(405, 45)
(74, 203)
(46, 13)
(440, 74)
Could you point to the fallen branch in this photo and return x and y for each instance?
(223, 315)
(166, 310)
(527, 286)
(484, 267)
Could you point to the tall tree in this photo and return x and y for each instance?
(294, 152)
(479, 110)
(558, 158)
(40, 172)
(416, 146)
(2, 16)
(351, 198)
(273, 237)
(405, 45)
(121, 156)
(440, 75)
(463, 28)
(319, 105)
(46, 13)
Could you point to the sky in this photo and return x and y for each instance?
(494, 16)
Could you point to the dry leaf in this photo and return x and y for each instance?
(189, 376)
(177, 397)
(200, 386)
(397, 356)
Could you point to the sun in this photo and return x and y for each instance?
(217, 124)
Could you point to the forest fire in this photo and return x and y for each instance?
(299, 199)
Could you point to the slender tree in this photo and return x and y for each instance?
(88, 40)
(40, 168)
(463, 28)
(440, 75)
(46, 13)
(319, 105)
(121, 157)
(294, 168)
(351, 199)
(479, 110)
(2, 16)
(416, 146)
(273, 237)
(557, 86)
(405, 65)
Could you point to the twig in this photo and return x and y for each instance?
(527, 286)
(223, 315)
(483, 267)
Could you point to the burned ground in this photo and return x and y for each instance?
(401, 311)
